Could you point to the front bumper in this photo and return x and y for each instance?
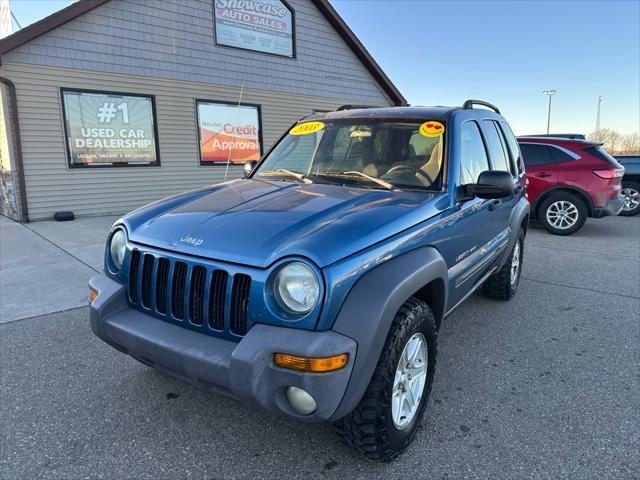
(612, 208)
(243, 370)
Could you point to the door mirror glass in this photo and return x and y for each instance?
(491, 184)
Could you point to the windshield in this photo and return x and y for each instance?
(370, 153)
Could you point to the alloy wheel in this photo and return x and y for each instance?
(631, 198)
(409, 381)
(562, 214)
(515, 264)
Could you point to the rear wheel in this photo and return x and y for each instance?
(631, 195)
(386, 420)
(503, 284)
(563, 214)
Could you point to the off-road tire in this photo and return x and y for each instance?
(369, 429)
(499, 286)
(567, 197)
(634, 186)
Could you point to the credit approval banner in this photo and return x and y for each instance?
(259, 25)
(228, 133)
(108, 129)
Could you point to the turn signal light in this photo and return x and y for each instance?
(92, 295)
(610, 173)
(310, 364)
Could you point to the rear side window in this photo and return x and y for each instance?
(514, 149)
(534, 155)
(498, 155)
(601, 155)
(559, 156)
(473, 159)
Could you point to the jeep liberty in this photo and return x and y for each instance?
(315, 287)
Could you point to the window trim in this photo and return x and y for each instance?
(518, 161)
(154, 116)
(484, 144)
(257, 106)
(293, 55)
(502, 145)
(562, 149)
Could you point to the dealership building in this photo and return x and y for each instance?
(111, 104)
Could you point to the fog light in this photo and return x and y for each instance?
(301, 401)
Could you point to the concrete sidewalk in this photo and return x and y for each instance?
(45, 266)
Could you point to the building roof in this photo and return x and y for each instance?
(83, 6)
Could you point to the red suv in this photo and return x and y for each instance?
(570, 180)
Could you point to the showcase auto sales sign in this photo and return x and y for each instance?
(260, 25)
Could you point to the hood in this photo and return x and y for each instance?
(257, 222)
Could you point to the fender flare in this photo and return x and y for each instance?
(369, 309)
(521, 211)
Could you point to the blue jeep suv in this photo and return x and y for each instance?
(314, 288)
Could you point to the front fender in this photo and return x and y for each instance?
(369, 309)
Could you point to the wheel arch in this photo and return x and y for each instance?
(372, 304)
(581, 194)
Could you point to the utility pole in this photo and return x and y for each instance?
(598, 114)
(549, 93)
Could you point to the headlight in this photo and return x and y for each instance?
(296, 288)
(118, 247)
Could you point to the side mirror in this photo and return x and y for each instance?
(248, 167)
(491, 184)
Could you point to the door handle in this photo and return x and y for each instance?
(543, 175)
(494, 204)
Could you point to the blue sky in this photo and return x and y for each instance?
(506, 52)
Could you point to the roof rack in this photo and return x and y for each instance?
(470, 103)
(353, 107)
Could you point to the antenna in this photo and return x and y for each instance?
(233, 137)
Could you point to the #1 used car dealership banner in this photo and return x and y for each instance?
(260, 25)
(228, 133)
(107, 129)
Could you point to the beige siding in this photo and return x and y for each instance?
(52, 187)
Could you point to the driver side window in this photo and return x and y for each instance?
(473, 155)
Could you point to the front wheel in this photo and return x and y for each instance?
(386, 420)
(631, 194)
(563, 214)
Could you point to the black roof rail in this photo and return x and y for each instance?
(353, 107)
(470, 103)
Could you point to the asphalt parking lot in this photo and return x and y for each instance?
(546, 386)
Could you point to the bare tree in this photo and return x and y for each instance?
(631, 144)
(613, 142)
(610, 138)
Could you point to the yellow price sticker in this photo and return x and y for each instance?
(431, 129)
(306, 128)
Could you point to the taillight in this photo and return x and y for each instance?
(610, 173)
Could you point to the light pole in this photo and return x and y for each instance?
(598, 114)
(549, 93)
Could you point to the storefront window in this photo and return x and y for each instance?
(228, 133)
(261, 25)
(109, 129)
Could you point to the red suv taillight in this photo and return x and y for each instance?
(610, 173)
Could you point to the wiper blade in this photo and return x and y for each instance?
(278, 171)
(378, 181)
